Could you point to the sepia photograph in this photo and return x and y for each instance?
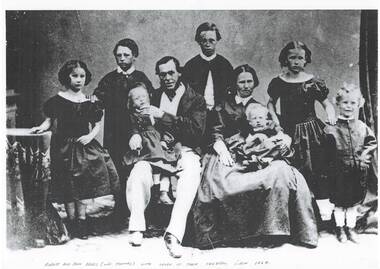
(191, 138)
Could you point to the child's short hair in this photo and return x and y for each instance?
(253, 107)
(129, 43)
(207, 26)
(346, 90)
(68, 67)
(135, 86)
(294, 45)
(246, 68)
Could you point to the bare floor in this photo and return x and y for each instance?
(114, 251)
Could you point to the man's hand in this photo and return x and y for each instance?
(152, 111)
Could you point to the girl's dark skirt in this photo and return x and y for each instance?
(81, 171)
(310, 156)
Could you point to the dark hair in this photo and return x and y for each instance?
(134, 86)
(166, 59)
(246, 68)
(129, 43)
(207, 26)
(68, 67)
(294, 45)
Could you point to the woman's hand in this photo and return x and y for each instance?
(135, 143)
(85, 139)
(224, 155)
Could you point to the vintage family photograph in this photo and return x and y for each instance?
(191, 139)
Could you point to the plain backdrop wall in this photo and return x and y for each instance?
(253, 37)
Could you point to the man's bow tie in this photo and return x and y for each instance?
(170, 93)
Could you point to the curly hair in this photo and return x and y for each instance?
(253, 107)
(68, 67)
(348, 89)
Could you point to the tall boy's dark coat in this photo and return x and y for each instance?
(195, 72)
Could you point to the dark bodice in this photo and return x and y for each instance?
(228, 118)
(73, 119)
(297, 100)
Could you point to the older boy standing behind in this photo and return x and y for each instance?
(113, 91)
(208, 73)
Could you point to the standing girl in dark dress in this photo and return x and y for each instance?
(81, 168)
(298, 91)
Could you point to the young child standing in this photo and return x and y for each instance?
(148, 144)
(81, 168)
(298, 91)
(355, 143)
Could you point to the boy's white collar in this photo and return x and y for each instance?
(346, 119)
(128, 72)
(207, 58)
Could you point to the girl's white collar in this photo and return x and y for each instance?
(76, 98)
(303, 78)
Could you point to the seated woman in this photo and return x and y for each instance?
(235, 202)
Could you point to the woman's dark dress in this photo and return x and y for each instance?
(299, 120)
(78, 172)
(233, 204)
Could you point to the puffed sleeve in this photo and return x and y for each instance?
(95, 112)
(318, 89)
(100, 91)
(50, 108)
(274, 89)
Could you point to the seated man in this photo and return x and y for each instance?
(179, 110)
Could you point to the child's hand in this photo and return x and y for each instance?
(135, 142)
(363, 165)
(164, 145)
(364, 161)
(85, 139)
(37, 130)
